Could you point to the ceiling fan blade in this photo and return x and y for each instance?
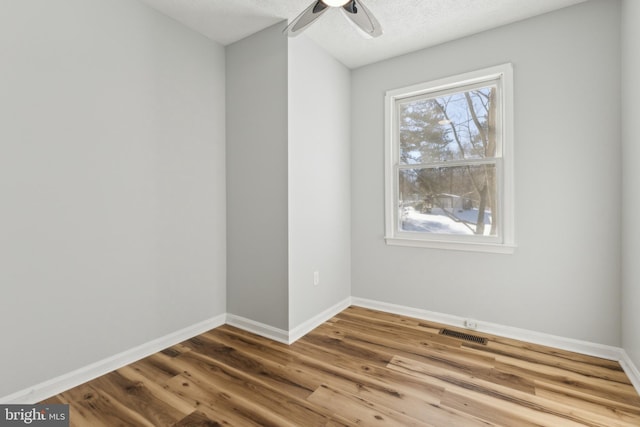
(362, 17)
(306, 18)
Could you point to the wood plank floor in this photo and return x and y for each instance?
(361, 368)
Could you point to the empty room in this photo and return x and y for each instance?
(320, 212)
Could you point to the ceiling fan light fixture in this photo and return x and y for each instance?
(355, 12)
(335, 3)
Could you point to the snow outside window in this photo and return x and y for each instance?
(449, 169)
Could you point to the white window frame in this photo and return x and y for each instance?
(504, 242)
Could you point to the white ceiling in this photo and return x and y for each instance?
(408, 24)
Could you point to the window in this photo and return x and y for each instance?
(449, 179)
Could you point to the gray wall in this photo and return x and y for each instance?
(111, 183)
(319, 175)
(631, 177)
(288, 205)
(564, 277)
(257, 126)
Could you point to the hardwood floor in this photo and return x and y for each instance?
(361, 368)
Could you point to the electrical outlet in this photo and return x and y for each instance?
(316, 278)
(471, 324)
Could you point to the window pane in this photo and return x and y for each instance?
(449, 200)
(455, 126)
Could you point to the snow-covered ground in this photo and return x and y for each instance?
(438, 222)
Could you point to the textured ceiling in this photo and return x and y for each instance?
(408, 24)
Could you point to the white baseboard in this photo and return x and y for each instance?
(569, 344)
(258, 328)
(72, 379)
(631, 370)
(281, 335)
(79, 376)
(64, 382)
(301, 330)
(408, 311)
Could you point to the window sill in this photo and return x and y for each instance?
(498, 248)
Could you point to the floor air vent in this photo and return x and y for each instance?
(463, 336)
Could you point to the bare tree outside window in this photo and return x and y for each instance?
(436, 132)
(449, 162)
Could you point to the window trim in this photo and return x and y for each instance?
(505, 242)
